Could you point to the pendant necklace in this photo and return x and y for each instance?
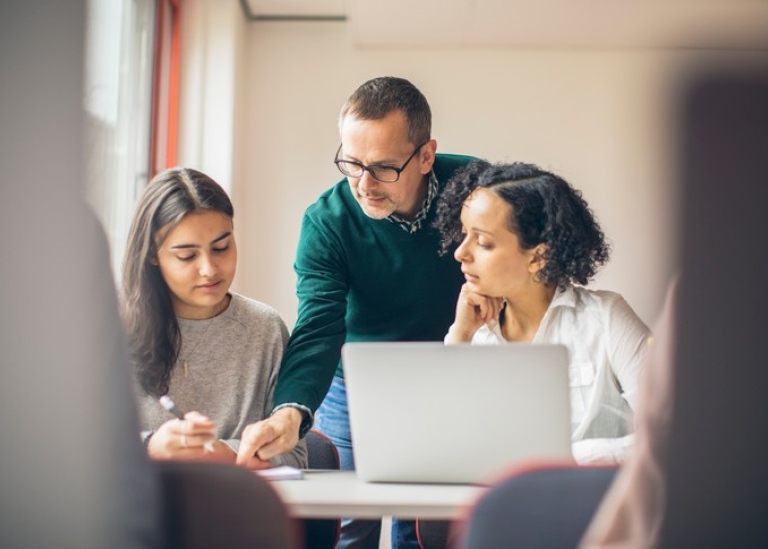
(191, 352)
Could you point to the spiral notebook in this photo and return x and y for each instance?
(435, 413)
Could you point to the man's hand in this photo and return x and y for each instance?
(268, 438)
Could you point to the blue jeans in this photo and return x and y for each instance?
(332, 418)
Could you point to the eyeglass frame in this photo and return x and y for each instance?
(337, 160)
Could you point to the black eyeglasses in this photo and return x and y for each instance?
(383, 173)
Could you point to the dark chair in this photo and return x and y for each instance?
(322, 454)
(543, 507)
(321, 451)
(220, 505)
(434, 534)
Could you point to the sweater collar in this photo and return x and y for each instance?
(421, 215)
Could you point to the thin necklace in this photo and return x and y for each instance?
(215, 313)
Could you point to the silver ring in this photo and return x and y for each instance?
(183, 440)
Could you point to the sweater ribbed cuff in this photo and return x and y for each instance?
(307, 417)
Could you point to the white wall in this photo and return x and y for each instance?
(211, 84)
(259, 113)
(599, 118)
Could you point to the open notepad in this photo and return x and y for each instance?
(283, 472)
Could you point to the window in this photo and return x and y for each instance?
(118, 105)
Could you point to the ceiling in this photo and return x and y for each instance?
(535, 23)
(295, 9)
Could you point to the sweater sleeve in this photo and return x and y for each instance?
(296, 457)
(315, 344)
(263, 347)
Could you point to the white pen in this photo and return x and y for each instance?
(170, 405)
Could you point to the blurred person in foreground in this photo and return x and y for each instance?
(72, 472)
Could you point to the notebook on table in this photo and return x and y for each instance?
(435, 413)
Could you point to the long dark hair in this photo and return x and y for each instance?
(151, 325)
(544, 209)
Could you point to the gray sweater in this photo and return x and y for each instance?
(232, 362)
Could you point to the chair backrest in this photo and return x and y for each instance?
(547, 507)
(220, 505)
(321, 454)
(321, 451)
(433, 534)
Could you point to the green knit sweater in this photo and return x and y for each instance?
(361, 279)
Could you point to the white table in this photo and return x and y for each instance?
(333, 494)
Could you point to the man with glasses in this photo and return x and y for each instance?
(368, 270)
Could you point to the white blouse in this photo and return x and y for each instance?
(606, 341)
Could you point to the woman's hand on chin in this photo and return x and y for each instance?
(472, 311)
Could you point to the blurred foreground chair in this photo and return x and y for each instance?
(547, 506)
(322, 454)
(219, 505)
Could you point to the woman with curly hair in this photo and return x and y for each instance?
(216, 353)
(527, 243)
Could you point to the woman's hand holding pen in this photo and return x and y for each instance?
(472, 311)
(184, 438)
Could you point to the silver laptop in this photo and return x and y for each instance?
(435, 413)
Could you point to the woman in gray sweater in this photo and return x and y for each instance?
(216, 353)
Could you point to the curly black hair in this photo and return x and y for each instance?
(544, 208)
